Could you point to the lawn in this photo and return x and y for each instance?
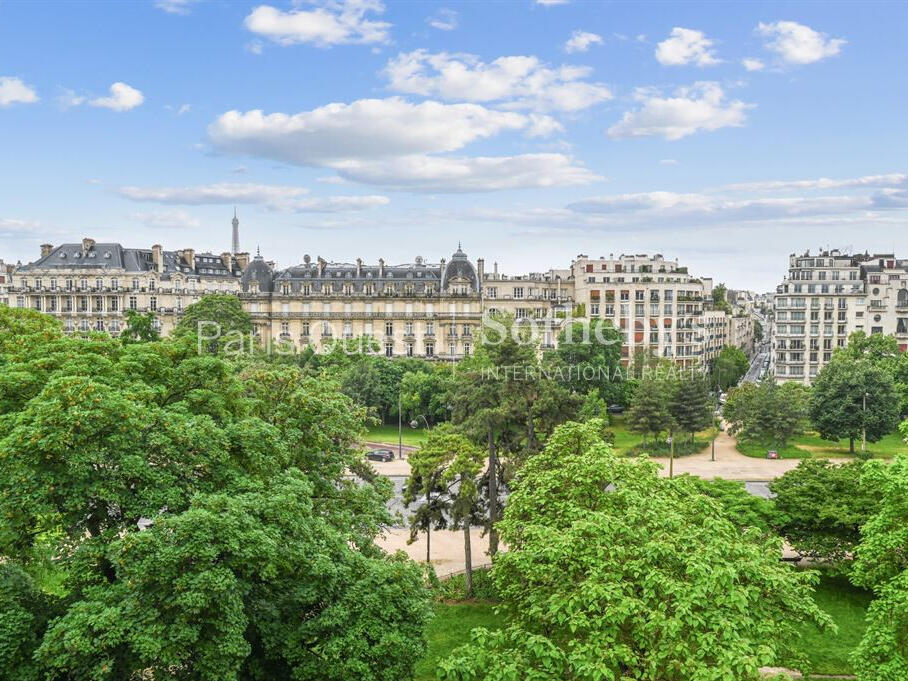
(811, 445)
(847, 605)
(451, 628)
(626, 441)
(828, 653)
(388, 435)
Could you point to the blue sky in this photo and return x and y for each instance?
(726, 135)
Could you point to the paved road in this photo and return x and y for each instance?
(755, 373)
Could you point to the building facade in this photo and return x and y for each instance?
(828, 296)
(421, 308)
(91, 285)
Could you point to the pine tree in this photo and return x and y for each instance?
(690, 406)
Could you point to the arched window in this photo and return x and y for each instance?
(903, 298)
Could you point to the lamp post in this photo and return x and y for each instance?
(400, 431)
(415, 424)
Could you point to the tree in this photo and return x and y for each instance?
(613, 572)
(588, 357)
(140, 328)
(720, 298)
(650, 411)
(218, 322)
(197, 517)
(822, 507)
(882, 351)
(744, 509)
(424, 393)
(881, 564)
(851, 398)
(444, 470)
(730, 367)
(690, 405)
(767, 413)
(758, 331)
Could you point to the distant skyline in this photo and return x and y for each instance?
(724, 135)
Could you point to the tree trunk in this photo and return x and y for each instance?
(851, 444)
(428, 531)
(468, 559)
(493, 496)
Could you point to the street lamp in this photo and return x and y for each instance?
(415, 424)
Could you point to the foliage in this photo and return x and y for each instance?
(767, 413)
(744, 509)
(140, 328)
(882, 565)
(650, 411)
(614, 572)
(454, 588)
(730, 367)
(218, 322)
(822, 506)
(720, 298)
(851, 397)
(588, 357)
(758, 331)
(691, 406)
(882, 351)
(198, 515)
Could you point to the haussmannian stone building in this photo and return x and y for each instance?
(421, 308)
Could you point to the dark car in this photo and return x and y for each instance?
(380, 455)
(615, 409)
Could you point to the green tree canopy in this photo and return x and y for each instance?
(767, 413)
(219, 322)
(852, 396)
(822, 507)
(615, 573)
(140, 328)
(195, 517)
(730, 367)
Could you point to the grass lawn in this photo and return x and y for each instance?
(847, 605)
(451, 628)
(812, 445)
(388, 435)
(626, 441)
(827, 652)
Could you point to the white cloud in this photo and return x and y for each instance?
(254, 46)
(393, 143)
(68, 99)
(580, 41)
(175, 6)
(518, 82)
(14, 91)
(365, 128)
(752, 64)
(330, 22)
(700, 107)
(798, 44)
(122, 97)
(686, 46)
(272, 197)
(331, 179)
(444, 174)
(552, 3)
(12, 228)
(444, 19)
(220, 193)
(167, 219)
(668, 162)
(870, 181)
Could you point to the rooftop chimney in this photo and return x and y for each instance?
(359, 267)
(226, 259)
(242, 260)
(157, 258)
(321, 265)
(381, 267)
(45, 250)
(189, 257)
(87, 244)
(481, 268)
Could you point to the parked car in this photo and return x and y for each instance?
(384, 455)
(615, 409)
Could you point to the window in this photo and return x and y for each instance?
(285, 328)
(153, 303)
(518, 292)
(409, 349)
(83, 284)
(389, 349)
(430, 349)
(389, 328)
(430, 328)
(135, 284)
(99, 284)
(133, 303)
(305, 331)
(466, 348)
(492, 292)
(115, 284)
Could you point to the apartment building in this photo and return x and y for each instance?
(90, 285)
(828, 296)
(415, 309)
(656, 303)
(420, 308)
(6, 275)
(546, 298)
